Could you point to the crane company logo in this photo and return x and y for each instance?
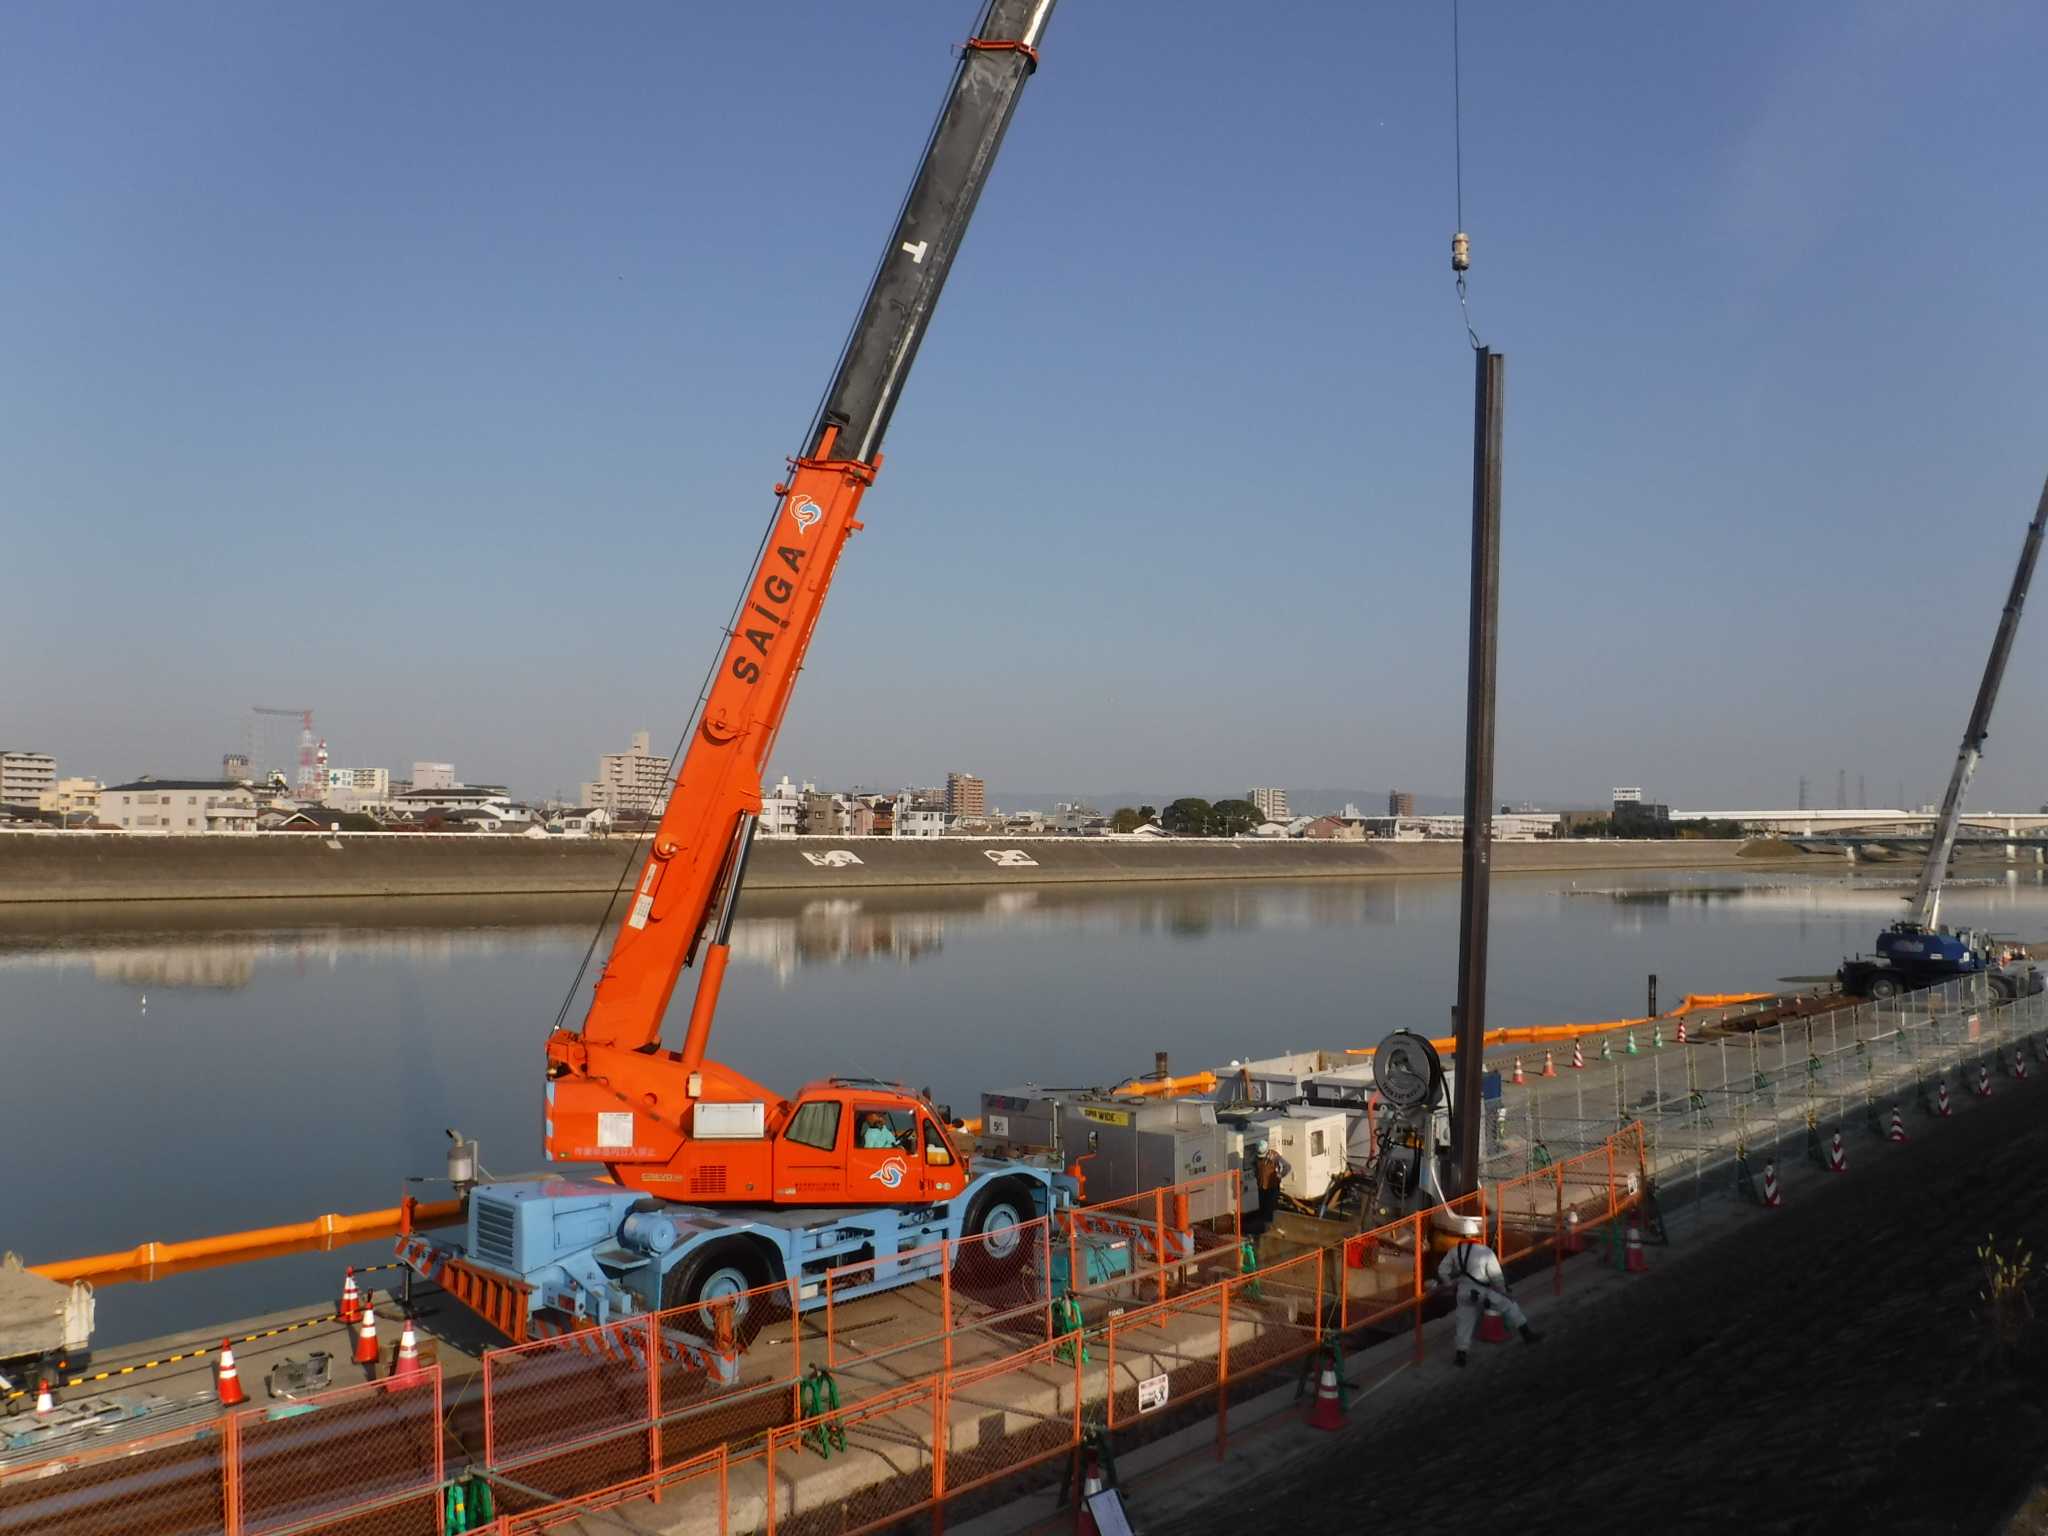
(805, 511)
(890, 1174)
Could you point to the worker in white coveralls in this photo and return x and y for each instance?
(1476, 1272)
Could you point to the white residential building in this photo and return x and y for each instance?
(24, 776)
(782, 809)
(434, 776)
(917, 821)
(182, 807)
(632, 783)
(1272, 803)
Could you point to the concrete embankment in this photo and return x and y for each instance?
(54, 867)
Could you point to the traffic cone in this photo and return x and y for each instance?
(225, 1379)
(1550, 1063)
(407, 1362)
(45, 1403)
(1898, 1132)
(1941, 1104)
(1518, 1078)
(1578, 1053)
(1493, 1328)
(2019, 1062)
(1838, 1161)
(1657, 1037)
(1574, 1239)
(366, 1337)
(1632, 1256)
(1091, 1484)
(351, 1303)
(1632, 1044)
(1606, 1049)
(1328, 1412)
(1771, 1195)
(1983, 1081)
(1681, 1031)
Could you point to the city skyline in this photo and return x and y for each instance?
(478, 476)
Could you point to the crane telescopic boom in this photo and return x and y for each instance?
(682, 906)
(1925, 902)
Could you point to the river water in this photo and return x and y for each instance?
(178, 1070)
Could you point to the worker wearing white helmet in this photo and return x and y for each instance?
(1474, 1269)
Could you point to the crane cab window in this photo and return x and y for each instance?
(815, 1124)
(879, 1128)
(936, 1152)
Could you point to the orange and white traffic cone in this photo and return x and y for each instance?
(45, 1403)
(407, 1362)
(1838, 1160)
(351, 1310)
(1681, 1031)
(2019, 1063)
(1632, 1253)
(1942, 1108)
(1771, 1195)
(1574, 1239)
(226, 1380)
(1493, 1328)
(1898, 1132)
(1518, 1071)
(1983, 1081)
(1328, 1412)
(1091, 1484)
(1579, 1053)
(1550, 1063)
(366, 1337)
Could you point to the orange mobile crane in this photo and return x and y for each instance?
(673, 1123)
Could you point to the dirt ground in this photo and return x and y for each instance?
(1831, 1367)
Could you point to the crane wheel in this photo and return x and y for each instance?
(718, 1272)
(995, 1246)
(2003, 989)
(1882, 986)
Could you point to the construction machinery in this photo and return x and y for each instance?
(1918, 951)
(774, 1187)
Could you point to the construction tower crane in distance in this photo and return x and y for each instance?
(1917, 951)
(674, 1122)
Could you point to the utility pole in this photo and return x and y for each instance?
(1481, 670)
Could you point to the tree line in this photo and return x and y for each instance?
(1192, 817)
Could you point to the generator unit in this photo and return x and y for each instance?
(1116, 1146)
(1314, 1144)
(1280, 1079)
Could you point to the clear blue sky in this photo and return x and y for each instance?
(431, 365)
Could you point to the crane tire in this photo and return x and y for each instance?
(713, 1272)
(993, 1246)
(2003, 988)
(1882, 986)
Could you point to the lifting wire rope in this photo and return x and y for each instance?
(1461, 248)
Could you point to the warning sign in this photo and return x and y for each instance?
(1151, 1394)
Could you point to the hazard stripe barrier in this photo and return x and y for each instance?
(197, 1352)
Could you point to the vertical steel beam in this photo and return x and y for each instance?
(1476, 895)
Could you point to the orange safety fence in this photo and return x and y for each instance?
(938, 1387)
(362, 1457)
(1149, 1244)
(1388, 1272)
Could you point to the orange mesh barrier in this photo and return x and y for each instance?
(363, 1459)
